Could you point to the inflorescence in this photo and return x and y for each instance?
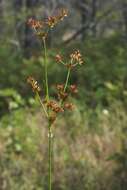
(75, 59)
(42, 27)
(63, 91)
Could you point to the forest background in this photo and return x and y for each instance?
(90, 145)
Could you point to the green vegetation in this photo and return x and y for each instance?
(90, 147)
(90, 150)
(89, 144)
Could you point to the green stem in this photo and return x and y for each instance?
(66, 83)
(42, 105)
(46, 72)
(67, 79)
(50, 157)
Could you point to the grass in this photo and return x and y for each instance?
(80, 154)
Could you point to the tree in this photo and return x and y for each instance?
(93, 15)
(1, 16)
(124, 13)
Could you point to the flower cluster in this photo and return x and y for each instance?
(34, 84)
(42, 27)
(68, 106)
(58, 58)
(64, 91)
(60, 105)
(35, 24)
(62, 95)
(53, 20)
(75, 59)
(73, 89)
(54, 106)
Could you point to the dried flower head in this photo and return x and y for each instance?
(51, 21)
(34, 84)
(62, 95)
(54, 107)
(60, 87)
(63, 13)
(58, 58)
(35, 24)
(76, 57)
(69, 106)
(73, 89)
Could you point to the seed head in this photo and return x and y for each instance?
(54, 107)
(76, 57)
(58, 58)
(35, 24)
(51, 21)
(73, 89)
(34, 84)
(62, 95)
(69, 106)
(60, 87)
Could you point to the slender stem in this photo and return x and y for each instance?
(42, 105)
(67, 79)
(62, 62)
(46, 72)
(66, 83)
(50, 156)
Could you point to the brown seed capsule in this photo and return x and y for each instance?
(69, 106)
(51, 21)
(62, 95)
(35, 24)
(76, 57)
(73, 89)
(54, 106)
(57, 109)
(58, 58)
(34, 84)
(60, 87)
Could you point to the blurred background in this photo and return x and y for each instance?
(90, 144)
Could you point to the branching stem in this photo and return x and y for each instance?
(66, 84)
(42, 105)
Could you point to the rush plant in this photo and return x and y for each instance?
(53, 106)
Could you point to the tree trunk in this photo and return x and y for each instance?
(17, 6)
(1, 17)
(84, 14)
(124, 12)
(93, 15)
(24, 33)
